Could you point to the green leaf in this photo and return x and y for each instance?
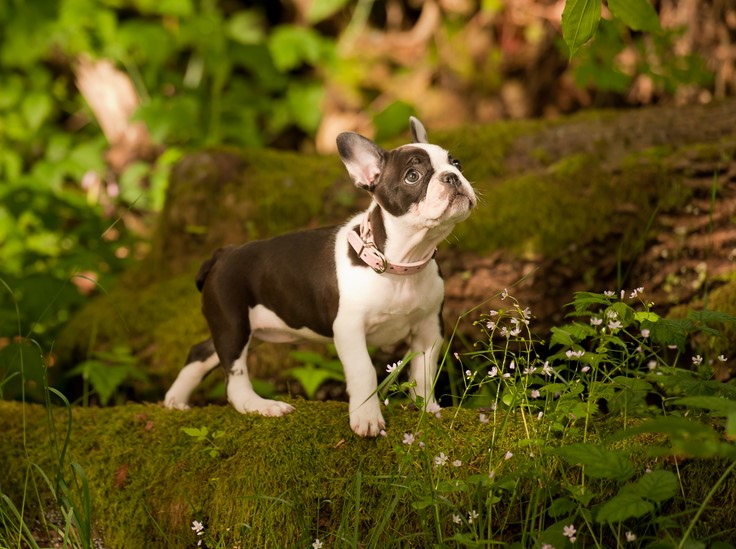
(713, 403)
(584, 301)
(392, 120)
(320, 10)
(245, 27)
(657, 486)
(598, 461)
(305, 100)
(195, 432)
(570, 334)
(312, 378)
(641, 316)
(638, 15)
(561, 506)
(36, 107)
(290, 46)
(623, 506)
(710, 317)
(579, 22)
(668, 331)
(624, 312)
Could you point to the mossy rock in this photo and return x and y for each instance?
(282, 482)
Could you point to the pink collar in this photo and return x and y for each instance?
(366, 249)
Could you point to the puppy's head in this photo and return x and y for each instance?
(420, 183)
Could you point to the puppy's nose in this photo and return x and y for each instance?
(450, 178)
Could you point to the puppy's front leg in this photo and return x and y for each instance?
(426, 343)
(366, 419)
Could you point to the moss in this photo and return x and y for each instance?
(282, 482)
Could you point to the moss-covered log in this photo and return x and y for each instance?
(282, 482)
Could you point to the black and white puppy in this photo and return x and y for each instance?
(371, 281)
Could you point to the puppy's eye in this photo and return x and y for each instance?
(412, 177)
(457, 164)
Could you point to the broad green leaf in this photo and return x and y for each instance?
(638, 15)
(657, 486)
(579, 22)
(598, 461)
(623, 506)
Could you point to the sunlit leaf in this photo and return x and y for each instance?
(579, 22)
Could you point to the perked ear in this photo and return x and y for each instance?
(417, 131)
(362, 157)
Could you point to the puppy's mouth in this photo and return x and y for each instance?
(460, 195)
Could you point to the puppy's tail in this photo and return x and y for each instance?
(206, 267)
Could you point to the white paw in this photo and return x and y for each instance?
(264, 407)
(172, 403)
(367, 420)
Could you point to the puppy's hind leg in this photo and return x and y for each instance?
(232, 346)
(201, 361)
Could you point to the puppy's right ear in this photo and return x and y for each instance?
(362, 157)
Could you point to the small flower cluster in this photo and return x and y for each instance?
(441, 460)
(509, 323)
(198, 527)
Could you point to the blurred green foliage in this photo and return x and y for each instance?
(205, 77)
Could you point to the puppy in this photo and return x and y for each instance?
(371, 281)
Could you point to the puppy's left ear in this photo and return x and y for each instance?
(362, 157)
(417, 130)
